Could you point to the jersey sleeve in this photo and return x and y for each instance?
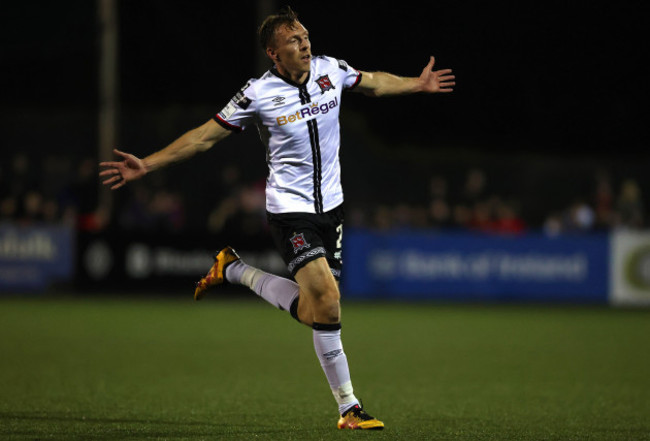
(240, 110)
(351, 76)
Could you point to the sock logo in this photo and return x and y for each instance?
(298, 242)
(332, 354)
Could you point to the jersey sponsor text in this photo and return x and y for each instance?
(311, 110)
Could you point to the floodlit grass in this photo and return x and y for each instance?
(104, 369)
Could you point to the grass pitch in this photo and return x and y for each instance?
(111, 369)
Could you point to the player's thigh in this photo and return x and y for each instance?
(317, 282)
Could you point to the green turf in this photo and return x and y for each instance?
(165, 369)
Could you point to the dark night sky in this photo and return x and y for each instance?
(530, 76)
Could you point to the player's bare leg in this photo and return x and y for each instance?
(319, 294)
(315, 302)
(319, 305)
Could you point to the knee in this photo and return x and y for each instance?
(326, 303)
(327, 296)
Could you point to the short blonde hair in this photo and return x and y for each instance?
(285, 17)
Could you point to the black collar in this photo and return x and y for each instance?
(287, 80)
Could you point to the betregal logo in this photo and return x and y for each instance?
(311, 110)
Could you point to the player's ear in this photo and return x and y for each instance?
(273, 55)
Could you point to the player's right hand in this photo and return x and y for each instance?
(118, 173)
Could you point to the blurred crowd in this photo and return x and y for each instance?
(475, 207)
(46, 189)
(608, 207)
(56, 190)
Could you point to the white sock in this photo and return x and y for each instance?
(329, 350)
(276, 290)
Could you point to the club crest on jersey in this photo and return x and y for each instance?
(298, 241)
(324, 83)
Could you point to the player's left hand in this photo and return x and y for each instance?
(434, 81)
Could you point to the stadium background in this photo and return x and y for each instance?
(540, 151)
(546, 131)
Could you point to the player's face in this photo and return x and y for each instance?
(292, 51)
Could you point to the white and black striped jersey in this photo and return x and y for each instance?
(299, 125)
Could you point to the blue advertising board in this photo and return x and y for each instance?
(31, 257)
(474, 267)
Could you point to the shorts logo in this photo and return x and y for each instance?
(298, 241)
(324, 83)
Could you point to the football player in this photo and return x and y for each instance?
(295, 107)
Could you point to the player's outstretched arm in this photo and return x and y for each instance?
(429, 81)
(130, 167)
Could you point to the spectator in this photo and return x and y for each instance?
(438, 187)
(32, 208)
(383, 218)
(401, 215)
(507, 219)
(356, 217)
(227, 204)
(604, 201)
(440, 214)
(252, 210)
(167, 212)
(579, 217)
(474, 189)
(462, 216)
(8, 208)
(82, 195)
(481, 217)
(135, 215)
(553, 225)
(226, 209)
(51, 211)
(23, 176)
(629, 206)
(242, 213)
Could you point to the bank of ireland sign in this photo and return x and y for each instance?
(630, 268)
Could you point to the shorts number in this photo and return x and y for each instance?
(339, 241)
